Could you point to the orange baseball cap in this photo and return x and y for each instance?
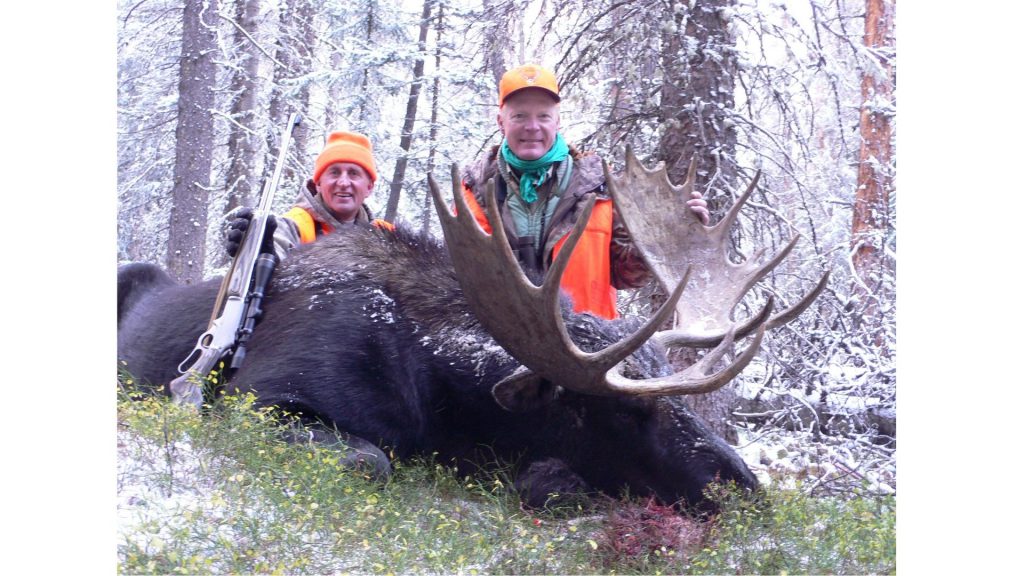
(346, 147)
(527, 76)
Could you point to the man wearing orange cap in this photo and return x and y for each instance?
(343, 177)
(542, 187)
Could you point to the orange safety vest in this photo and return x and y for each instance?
(587, 278)
(307, 225)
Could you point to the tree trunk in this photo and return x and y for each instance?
(194, 137)
(276, 112)
(242, 182)
(435, 94)
(409, 125)
(495, 40)
(874, 176)
(371, 31)
(699, 63)
(303, 64)
(349, 108)
(336, 92)
(289, 65)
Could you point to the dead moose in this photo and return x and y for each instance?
(390, 341)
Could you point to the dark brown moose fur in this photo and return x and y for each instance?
(368, 332)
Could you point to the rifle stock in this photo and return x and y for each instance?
(230, 309)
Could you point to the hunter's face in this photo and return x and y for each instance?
(529, 119)
(344, 186)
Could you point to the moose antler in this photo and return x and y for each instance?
(526, 319)
(673, 243)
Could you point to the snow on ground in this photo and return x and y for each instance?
(162, 488)
(169, 498)
(159, 489)
(828, 465)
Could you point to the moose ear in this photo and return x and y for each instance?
(524, 391)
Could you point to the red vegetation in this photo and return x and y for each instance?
(636, 531)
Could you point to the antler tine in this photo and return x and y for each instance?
(723, 226)
(443, 213)
(553, 277)
(796, 309)
(525, 319)
(752, 272)
(650, 327)
(633, 163)
(670, 238)
(697, 378)
(764, 318)
(694, 379)
(683, 338)
(605, 359)
(660, 172)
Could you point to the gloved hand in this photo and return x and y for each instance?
(240, 219)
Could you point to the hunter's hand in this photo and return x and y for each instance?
(236, 229)
(239, 223)
(699, 207)
(268, 235)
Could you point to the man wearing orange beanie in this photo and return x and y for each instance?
(343, 177)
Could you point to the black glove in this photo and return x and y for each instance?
(239, 224)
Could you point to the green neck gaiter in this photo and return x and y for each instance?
(534, 172)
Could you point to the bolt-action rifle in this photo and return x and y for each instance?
(237, 307)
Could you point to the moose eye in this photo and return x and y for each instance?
(630, 418)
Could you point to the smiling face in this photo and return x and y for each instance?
(344, 186)
(529, 120)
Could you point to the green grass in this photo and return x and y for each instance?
(220, 492)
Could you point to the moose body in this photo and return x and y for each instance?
(369, 332)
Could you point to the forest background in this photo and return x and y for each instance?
(802, 94)
(956, 139)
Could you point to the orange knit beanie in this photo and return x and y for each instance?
(346, 147)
